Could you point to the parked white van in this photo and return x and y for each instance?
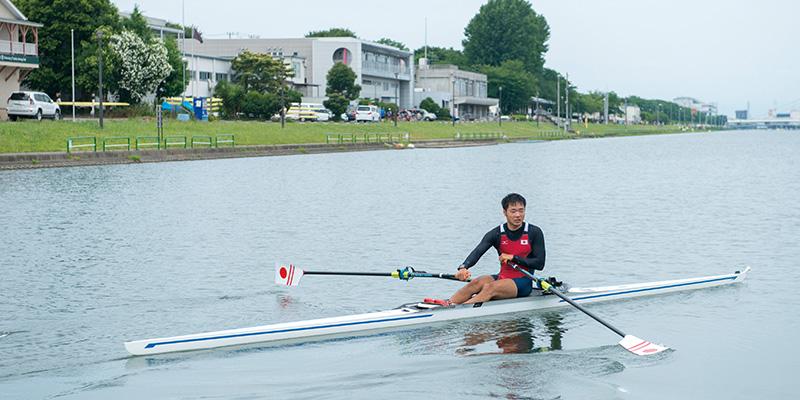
(32, 105)
(368, 114)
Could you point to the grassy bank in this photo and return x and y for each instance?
(51, 136)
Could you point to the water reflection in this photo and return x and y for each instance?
(521, 335)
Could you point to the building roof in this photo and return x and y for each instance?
(14, 10)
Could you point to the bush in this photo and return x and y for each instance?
(260, 105)
(132, 111)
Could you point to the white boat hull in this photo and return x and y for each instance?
(411, 315)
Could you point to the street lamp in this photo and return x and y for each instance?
(100, 75)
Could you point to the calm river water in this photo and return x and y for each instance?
(94, 256)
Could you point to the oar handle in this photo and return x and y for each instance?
(546, 286)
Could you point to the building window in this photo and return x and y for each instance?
(221, 77)
(342, 55)
(205, 76)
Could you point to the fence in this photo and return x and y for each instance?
(116, 141)
(225, 140)
(342, 138)
(174, 141)
(202, 141)
(82, 141)
(148, 141)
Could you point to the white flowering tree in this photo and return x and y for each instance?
(142, 65)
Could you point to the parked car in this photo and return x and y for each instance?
(32, 105)
(368, 114)
(424, 115)
(323, 114)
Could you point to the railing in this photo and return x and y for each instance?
(112, 142)
(9, 47)
(78, 142)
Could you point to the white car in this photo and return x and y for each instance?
(324, 114)
(32, 105)
(368, 114)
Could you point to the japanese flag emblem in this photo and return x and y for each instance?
(523, 241)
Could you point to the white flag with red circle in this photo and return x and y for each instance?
(288, 275)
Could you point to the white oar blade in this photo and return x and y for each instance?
(640, 347)
(288, 275)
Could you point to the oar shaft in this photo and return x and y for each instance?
(547, 286)
(347, 273)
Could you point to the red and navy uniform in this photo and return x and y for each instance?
(526, 244)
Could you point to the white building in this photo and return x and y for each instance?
(19, 51)
(384, 72)
(442, 82)
(694, 104)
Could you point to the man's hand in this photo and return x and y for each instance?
(463, 274)
(506, 258)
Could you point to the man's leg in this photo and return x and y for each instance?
(471, 288)
(497, 290)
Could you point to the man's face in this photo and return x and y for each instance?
(515, 214)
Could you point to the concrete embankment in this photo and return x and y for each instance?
(13, 161)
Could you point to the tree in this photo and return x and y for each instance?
(518, 85)
(137, 24)
(393, 43)
(441, 55)
(173, 84)
(332, 32)
(341, 90)
(429, 105)
(58, 17)
(507, 30)
(142, 66)
(342, 80)
(259, 72)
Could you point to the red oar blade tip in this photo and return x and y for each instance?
(288, 275)
(640, 347)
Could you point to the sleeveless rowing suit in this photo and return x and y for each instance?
(520, 248)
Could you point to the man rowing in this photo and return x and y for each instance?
(516, 242)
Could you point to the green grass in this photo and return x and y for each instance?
(51, 136)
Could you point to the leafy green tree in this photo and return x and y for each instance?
(332, 32)
(518, 85)
(429, 105)
(58, 17)
(507, 30)
(86, 61)
(260, 105)
(341, 90)
(259, 72)
(173, 84)
(442, 55)
(341, 79)
(137, 24)
(393, 43)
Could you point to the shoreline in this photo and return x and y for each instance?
(36, 160)
(19, 161)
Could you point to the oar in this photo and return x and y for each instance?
(631, 343)
(290, 275)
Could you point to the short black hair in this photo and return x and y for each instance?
(513, 198)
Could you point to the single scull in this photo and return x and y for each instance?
(416, 314)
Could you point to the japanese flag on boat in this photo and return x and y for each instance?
(288, 275)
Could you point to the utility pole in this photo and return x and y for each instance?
(72, 46)
(500, 108)
(453, 100)
(566, 103)
(558, 97)
(100, 75)
(397, 96)
(605, 109)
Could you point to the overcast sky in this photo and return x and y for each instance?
(727, 52)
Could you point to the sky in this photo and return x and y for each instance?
(730, 52)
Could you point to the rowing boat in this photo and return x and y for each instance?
(416, 314)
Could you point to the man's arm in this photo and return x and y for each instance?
(488, 241)
(535, 259)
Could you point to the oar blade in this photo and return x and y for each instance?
(640, 347)
(288, 275)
